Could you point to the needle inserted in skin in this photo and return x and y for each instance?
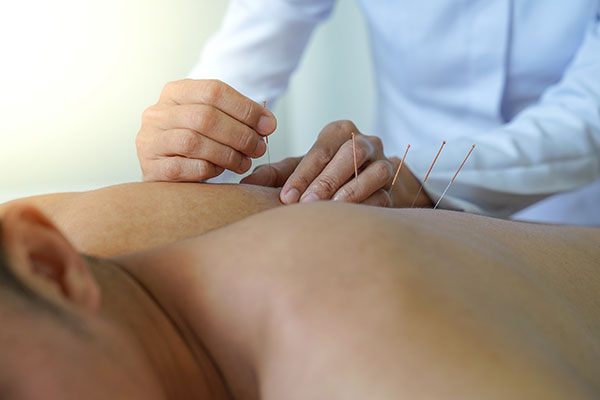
(452, 180)
(267, 139)
(427, 176)
(355, 163)
(400, 166)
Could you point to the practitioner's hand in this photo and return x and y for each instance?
(405, 190)
(327, 170)
(198, 129)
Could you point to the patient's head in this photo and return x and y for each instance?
(55, 341)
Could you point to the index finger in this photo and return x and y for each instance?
(222, 96)
(318, 157)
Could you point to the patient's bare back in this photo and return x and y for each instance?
(377, 303)
(391, 302)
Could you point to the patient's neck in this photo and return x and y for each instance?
(181, 370)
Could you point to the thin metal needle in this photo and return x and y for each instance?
(400, 166)
(267, 139)
(452, 180)
(355, 163)
(427, 176)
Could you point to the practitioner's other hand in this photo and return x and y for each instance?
(327, 171)
(405, 190)
(198, 129)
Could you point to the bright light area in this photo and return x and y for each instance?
(76, 75)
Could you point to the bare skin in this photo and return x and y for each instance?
(137, 216)
(199, 128)
(389, 316)
(327, 172)
(332, 300)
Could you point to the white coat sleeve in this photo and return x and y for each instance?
(550, 147)
(260, 44)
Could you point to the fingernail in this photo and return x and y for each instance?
(266, 124)
(261, 147)
(338, 197)
(246, 164)
(307, 198)
(291, 196)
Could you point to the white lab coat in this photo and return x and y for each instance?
(520, 79)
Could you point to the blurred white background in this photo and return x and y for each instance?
(76, 75)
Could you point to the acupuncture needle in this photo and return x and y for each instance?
(267, 139)
(355, 163)
(452, 180)
(427, 176)
(400, 166)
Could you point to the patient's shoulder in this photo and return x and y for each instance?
(135, 216)
(49, 204)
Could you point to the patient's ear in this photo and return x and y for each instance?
(44, 259)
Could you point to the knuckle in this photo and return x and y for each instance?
(376, 142)
(345, 126)
(149, 114)
(351, 194)
(170, 87)
(300, 180)
(248, 113)
(382, 171)
(172, 169)
(203, 170)
(326, 184)
(362, 152)
(232, 158)
(341, 127)
(322, 155)
(213, 90)
(329, 127)
(187, 143)
(203, 119)
(247, 142)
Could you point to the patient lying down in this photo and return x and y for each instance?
(311, 301)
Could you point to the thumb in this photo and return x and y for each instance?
(274, 175)
(263, 175)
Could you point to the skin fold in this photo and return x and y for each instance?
(321, 300)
